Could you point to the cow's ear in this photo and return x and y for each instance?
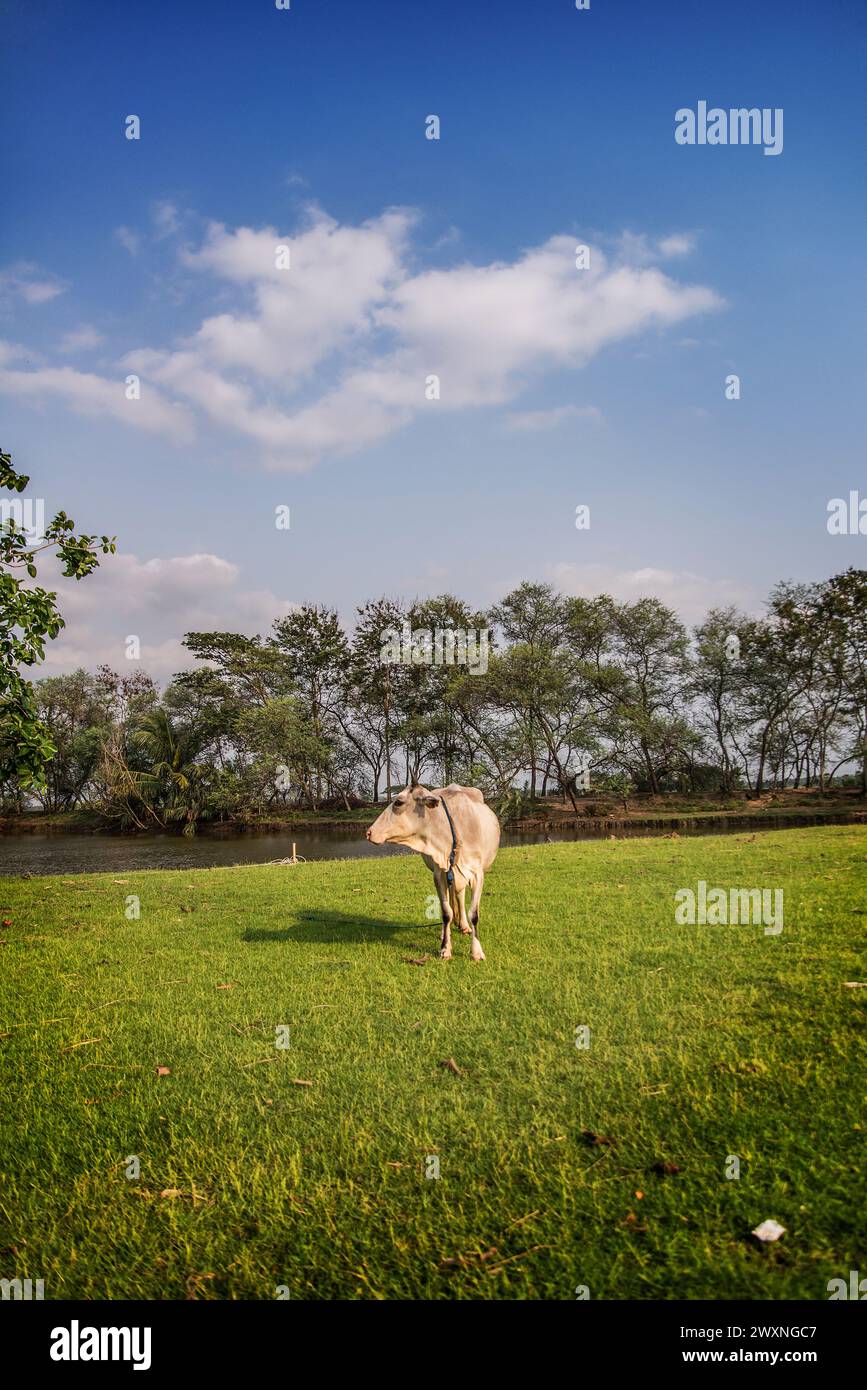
(431, 801)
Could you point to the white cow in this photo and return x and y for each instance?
(458, 836)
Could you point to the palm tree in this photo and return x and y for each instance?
(174, 786)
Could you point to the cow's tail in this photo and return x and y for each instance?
(453, 900)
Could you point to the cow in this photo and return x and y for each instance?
(458, 836)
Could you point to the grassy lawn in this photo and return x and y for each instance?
(705, 1042)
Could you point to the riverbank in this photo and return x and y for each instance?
(596, 814)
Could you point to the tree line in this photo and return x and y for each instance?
(574, 689)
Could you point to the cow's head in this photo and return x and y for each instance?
(407, 818)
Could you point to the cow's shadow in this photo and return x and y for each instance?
(324, 924)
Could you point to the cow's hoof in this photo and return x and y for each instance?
(477, 953)
(446, 953)
(465, 931)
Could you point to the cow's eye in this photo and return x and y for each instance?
(398, 805)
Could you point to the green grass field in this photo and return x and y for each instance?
(705, 1042)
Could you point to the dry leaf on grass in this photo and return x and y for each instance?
(451, 1065)
(768, 1231)
(664, 1167)
(415, 960)
(521, 1219)
(195, 1281)
(595, 1140)
(164, 1071)
(194, 1196)
(248, 1027)
(495, 1269)
(632, 1222)
(464, 1261)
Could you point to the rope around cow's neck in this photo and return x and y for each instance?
(450, 875)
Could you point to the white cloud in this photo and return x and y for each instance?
(80, 339)
(327, 298)
(450, 237)
(89, 394)
(156, 600)
(679, 244)
(534, 420)
(129, 239)
(691, 595)
(486, 328)
(26, 281)
(164, 216)
(39, 291)
(332, 354)
(635, 248)
(17, 352)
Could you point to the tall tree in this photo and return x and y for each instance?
(317, 654)
(533, 618)
(372, 689)
(29, 616)
(73, 710)
(843, 606)
(715, 686)
(640, 683)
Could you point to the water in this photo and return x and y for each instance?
(62, 853)
(59, 852)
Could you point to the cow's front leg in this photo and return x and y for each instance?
(447, 914)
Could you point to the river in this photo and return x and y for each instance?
(62, 852)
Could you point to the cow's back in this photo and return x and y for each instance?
(476, 825)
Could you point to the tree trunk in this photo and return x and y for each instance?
(532, 763)
(651, 770)
(387, 708)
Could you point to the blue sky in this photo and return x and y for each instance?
(450, 256)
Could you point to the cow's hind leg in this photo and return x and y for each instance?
(476, 948)
(476, 898)
(447, 914)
